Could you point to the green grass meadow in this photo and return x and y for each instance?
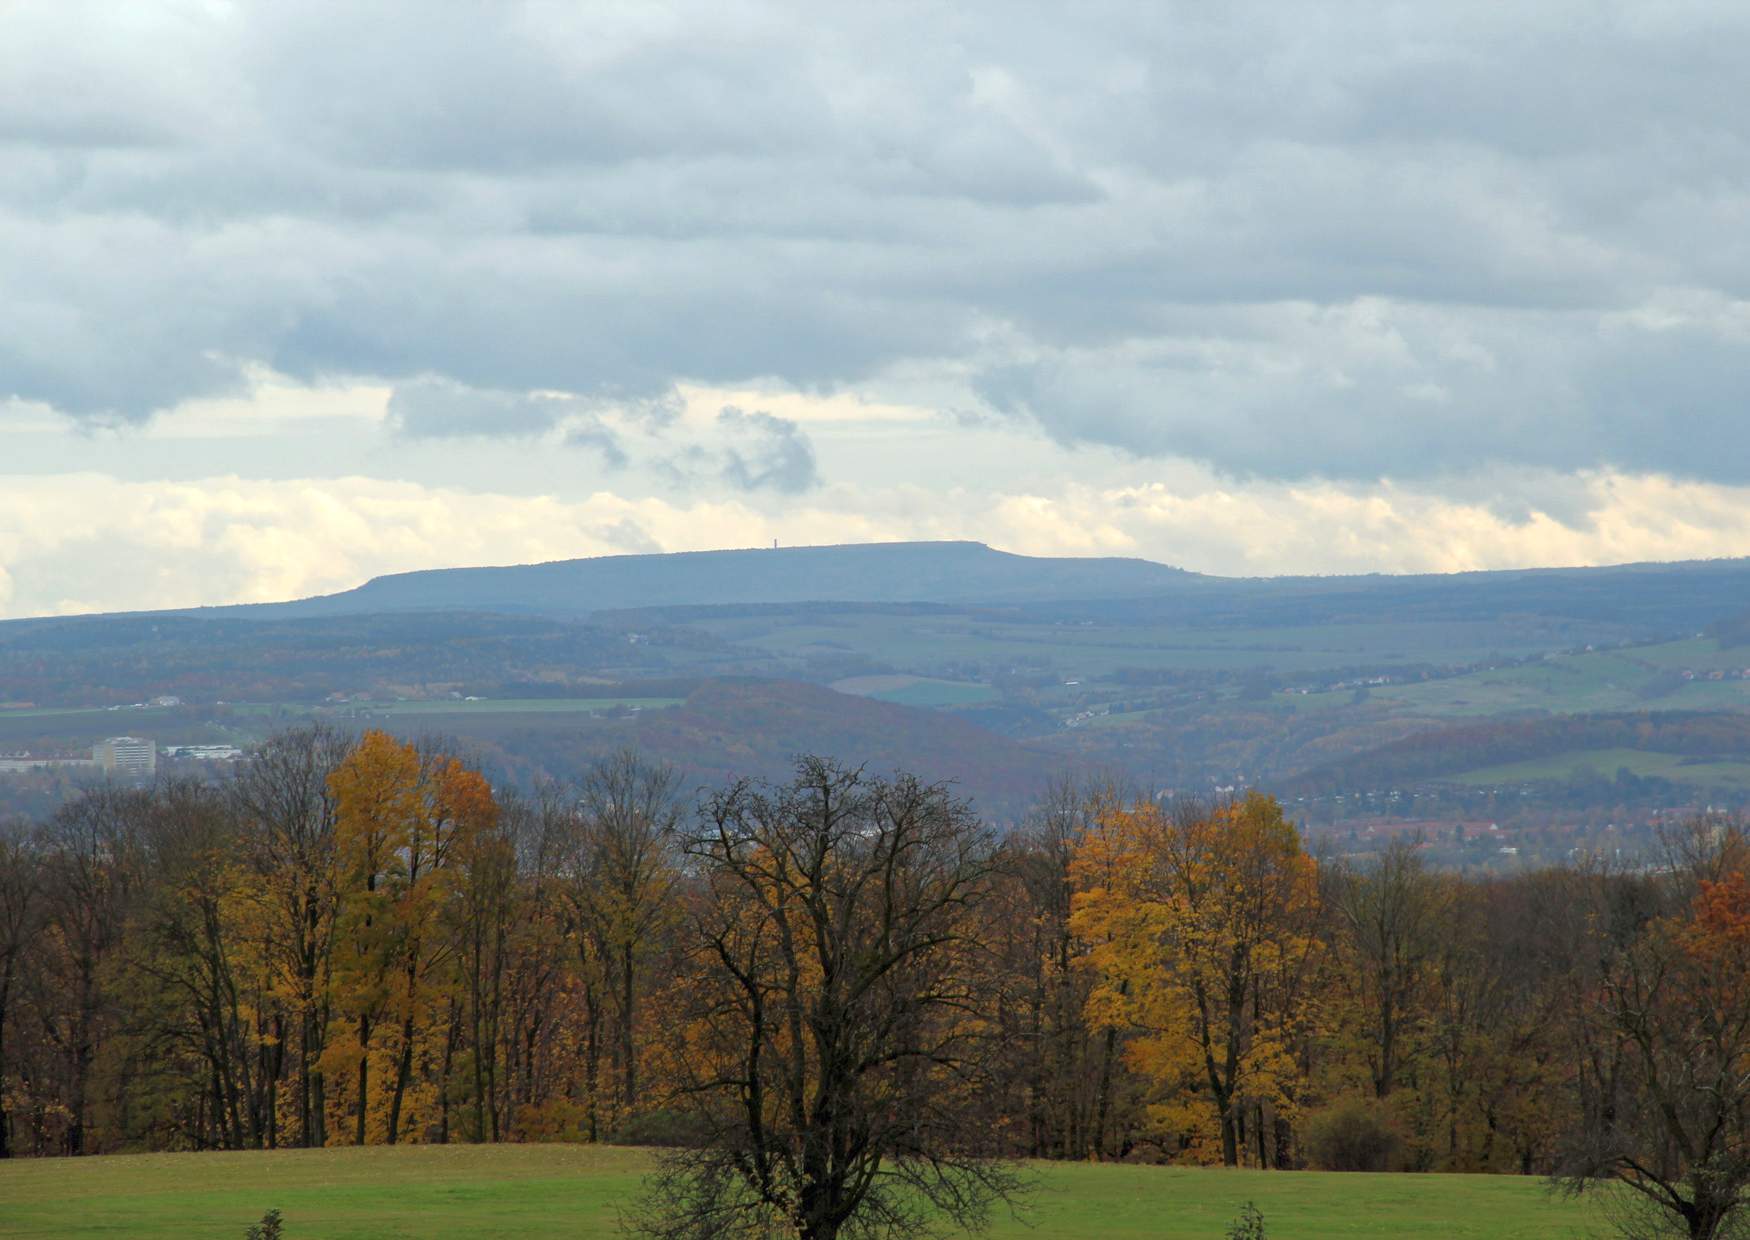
(469, 1192)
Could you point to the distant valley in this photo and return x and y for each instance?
(1369, 699)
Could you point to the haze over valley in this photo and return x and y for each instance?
(1567, 708)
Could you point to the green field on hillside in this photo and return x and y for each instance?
(917, 690)
(456, 1192)
(1637, 678)
(920, 644)
(1606, 762)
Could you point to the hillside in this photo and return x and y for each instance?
(725, 730)
(713, 731)
(1642, 599)
(1174, 679)
(873, 572)
(1448, 751)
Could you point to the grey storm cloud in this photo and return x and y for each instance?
(1355, 241)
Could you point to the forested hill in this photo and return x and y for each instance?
(944, 572)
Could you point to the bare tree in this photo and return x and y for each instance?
(1391, 915)
(281, 798)
(20, 886)
(510, 954)
(200, 1007)
(631, 808)
(1067, 1065)
(526, 1000)
(833, 1036)
(1666, 1063)
(88, 882)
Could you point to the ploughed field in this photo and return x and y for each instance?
(459, 1191)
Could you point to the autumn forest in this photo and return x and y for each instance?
(357, 940)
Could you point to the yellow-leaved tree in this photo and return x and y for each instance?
(1201, 927)
(405, 827)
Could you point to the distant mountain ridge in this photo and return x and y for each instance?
(971, 573)
(965, 572)
(1166, 675)
(932, 572)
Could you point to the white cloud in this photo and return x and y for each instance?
(1269, 529)
(1242, 286)
(84, 542)
(1260, 238)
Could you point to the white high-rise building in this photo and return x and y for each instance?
(126, 755)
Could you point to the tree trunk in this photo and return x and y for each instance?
(1388, 1029)
(1097, 1140)
(403, 1069)
(221, 1138)
(493, 1029)
(364, 1075)
(82, 1055)
(319, 1110)
(5, 1116)
(455, 1030)
(479, 1072)
(304, 1083)
(592, 1067)
(271, 1069)
(319, 1082)
(312, 1121)
(627, 1050)
(1230, 1136)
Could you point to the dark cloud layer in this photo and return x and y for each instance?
(1368, 240)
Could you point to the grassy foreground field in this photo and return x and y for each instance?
(456, 1192)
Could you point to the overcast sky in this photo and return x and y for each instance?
(296, 294)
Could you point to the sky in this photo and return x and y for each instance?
(292, 295)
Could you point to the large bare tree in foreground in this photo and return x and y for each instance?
(834, 1036)
(1666, 1070)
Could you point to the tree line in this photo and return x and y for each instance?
(846, 993)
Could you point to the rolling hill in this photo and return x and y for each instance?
(871, 572)
(1652, 599)
(731, 729)
(1024, 663)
